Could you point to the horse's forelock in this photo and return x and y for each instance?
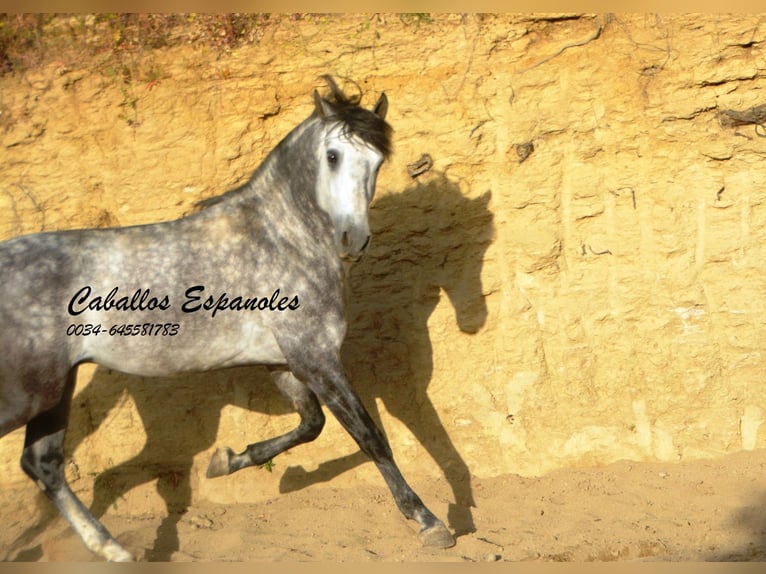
(356, 120)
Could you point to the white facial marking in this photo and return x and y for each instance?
(348, 169)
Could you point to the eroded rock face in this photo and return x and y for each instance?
(577, 277)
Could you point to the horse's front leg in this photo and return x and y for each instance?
(325, 377)
(225, 460)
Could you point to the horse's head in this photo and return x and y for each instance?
(353, 144)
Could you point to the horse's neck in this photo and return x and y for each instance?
(283, 186)
(286, 180)
(290, 170)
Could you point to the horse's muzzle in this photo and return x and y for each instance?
(351, 248)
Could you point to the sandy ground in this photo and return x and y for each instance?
(627, 511)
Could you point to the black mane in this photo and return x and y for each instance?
(356, 120)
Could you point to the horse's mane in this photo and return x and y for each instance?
(356, 120)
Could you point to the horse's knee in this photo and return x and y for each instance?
(309, 409)
(312, 424)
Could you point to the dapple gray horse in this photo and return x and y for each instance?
(255, 277)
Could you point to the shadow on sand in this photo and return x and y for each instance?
(752, 520)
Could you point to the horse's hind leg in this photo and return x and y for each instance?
(225, 461)
(43, 461)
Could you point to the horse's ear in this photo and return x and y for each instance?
(322, 107)
(381, 106)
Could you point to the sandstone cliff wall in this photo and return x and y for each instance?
(580, 277)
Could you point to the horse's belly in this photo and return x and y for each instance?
(164, 353)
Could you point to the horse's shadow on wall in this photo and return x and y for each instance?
(428, 240)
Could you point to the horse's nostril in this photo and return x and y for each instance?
(344, 240)
(366, 243)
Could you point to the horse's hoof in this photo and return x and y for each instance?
(437, 536)
(219, 463)
(113, 552)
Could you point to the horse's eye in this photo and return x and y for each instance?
(332, 157)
